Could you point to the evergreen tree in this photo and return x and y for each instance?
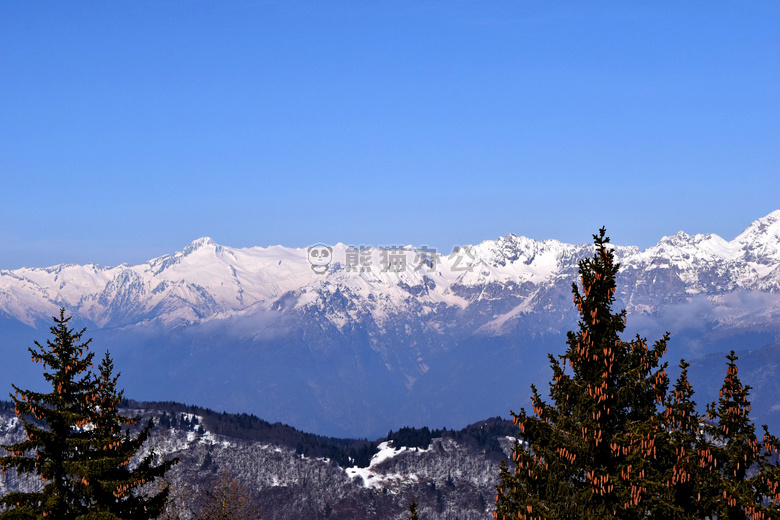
(606, 448)
(413, 510)
(114, 488)
(76, 442)
(55, 426)
(592, 452)
(680, 447)
(742, 482)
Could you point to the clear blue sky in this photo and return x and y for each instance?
(130, 128)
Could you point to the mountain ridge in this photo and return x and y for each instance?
(206, 278)
(387, 337)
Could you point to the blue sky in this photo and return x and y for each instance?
(129, 129)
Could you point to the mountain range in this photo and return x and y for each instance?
(352, 341)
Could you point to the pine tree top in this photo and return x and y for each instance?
(76, 440)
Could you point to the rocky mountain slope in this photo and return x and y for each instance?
(352, 341)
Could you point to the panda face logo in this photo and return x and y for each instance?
(320, 256)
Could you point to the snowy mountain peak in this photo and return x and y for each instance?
(266, 319)
(205, 279)
(761, 240)
(710, 243)
(768, 227)
(512, 249)
(201, 242)
(774, 216)
(680, 238)
(204, 244)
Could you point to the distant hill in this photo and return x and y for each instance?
(290, 474)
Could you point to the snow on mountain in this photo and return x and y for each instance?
(332, 328)
(760, 242)
(206, 279)
(284, 474)
(371, 478)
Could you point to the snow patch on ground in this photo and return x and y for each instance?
(373, 478)
(11, 424)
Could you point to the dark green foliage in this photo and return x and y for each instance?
(739, 470)
(114, 488)
(591, 451)
(250, 427)
(615, 442)
(359, 456)
(413, 510)
(412, 437)
(483, 435)
(165, 421)
(57, 445)
(76, 441)
(678, 446)
(345, 452)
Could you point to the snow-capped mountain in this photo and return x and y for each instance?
(351, 340)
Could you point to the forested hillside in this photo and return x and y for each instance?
(287, 474)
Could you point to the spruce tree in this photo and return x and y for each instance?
(54, 422)
(591, 452)
(76, 442)
(413, 510)
(743, 480)
(616, 443)
(680, 446)
(114, 488)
